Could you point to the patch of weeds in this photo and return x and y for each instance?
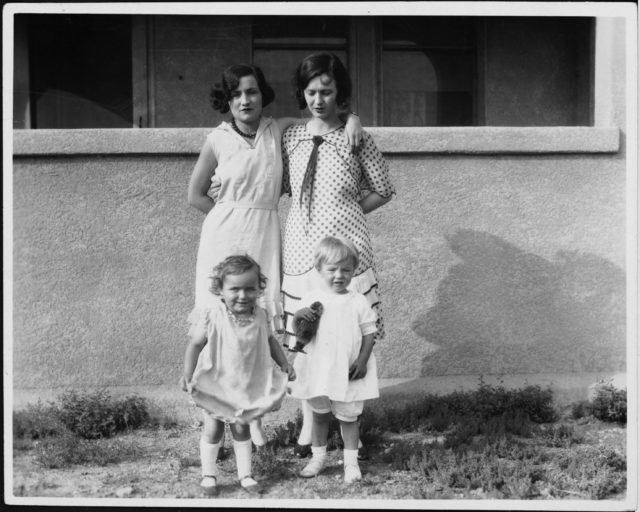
(67, 449)
(37, 421)
(561, 436)
(95, 415)
(188, 461)
(609, 403)
(592, 472)
(267, 464)
(490, 410)
(515, 469)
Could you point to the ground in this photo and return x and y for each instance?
(166, 465)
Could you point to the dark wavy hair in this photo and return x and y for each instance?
(235, 265)
(317, 64)
(220, 94)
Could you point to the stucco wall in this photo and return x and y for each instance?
(503, 252)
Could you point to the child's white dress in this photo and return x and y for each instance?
(324, 369)
(235, 377)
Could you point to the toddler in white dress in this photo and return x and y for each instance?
(338, 371)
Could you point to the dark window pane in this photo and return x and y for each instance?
(428, 71)
(80, 71)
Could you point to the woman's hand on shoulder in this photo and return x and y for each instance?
(354, 134)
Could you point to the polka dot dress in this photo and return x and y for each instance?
(331, 209)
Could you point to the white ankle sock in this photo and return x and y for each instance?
(350, 457)
(319, 452)
(208, 456)
(242, 449)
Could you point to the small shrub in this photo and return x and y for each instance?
(580, 409)
(95, 415)
(610, 404)
(37, 421)
(287, 434)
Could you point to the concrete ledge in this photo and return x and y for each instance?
(462, 140)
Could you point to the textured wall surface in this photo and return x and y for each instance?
(488, 264)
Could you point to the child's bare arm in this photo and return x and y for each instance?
(359, 367)
(281, 360)
(195, 346)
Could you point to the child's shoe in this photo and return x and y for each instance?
(250, 486)
(351, 473)
(316, 464)
(209, 485)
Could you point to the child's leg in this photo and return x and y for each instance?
(320, 429)
(302, 448)
(347, 413)
(321, 407)
(257, 434)
(360, 445)
(210, 442)
(307, 423)
(242, 448)
(350, 433)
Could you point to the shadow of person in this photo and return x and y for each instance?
(501, 309)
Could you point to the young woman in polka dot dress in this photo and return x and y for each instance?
(332, 189)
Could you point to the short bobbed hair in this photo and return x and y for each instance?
(235, 265)
(331, 250)
(220, 95)
(318, 64)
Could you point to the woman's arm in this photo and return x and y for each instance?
(201, 180)
(352, 130)
(372, 201)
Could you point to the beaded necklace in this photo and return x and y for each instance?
(240, 132)
(241, 321)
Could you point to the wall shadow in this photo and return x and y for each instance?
(503, 310)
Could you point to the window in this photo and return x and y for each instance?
(281, 42)
(92, 71)
(79, 71)
(428, 71)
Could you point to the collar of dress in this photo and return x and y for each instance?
(265, 122)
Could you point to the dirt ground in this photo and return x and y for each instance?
(167, 467)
